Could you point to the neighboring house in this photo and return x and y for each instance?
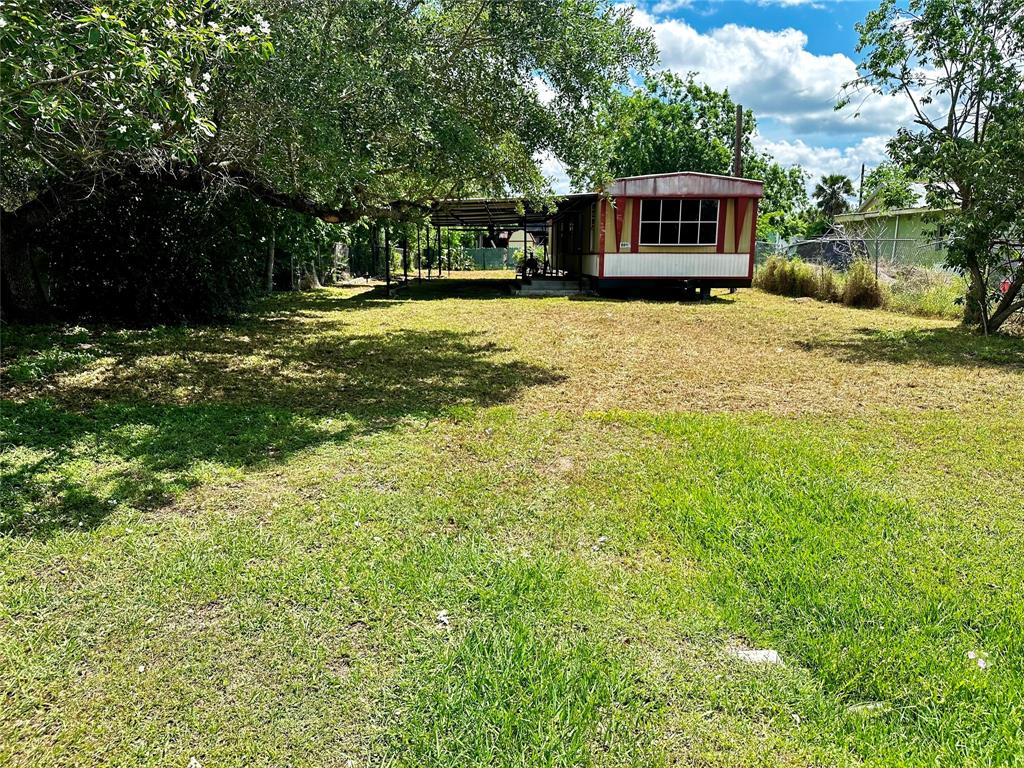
(508, 238)
(908, 235)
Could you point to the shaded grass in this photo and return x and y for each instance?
(298, 497)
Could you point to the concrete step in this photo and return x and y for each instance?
(540, 286)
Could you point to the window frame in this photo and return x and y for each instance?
(679, 222)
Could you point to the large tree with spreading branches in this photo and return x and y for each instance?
(339, 109)
(671, 123)
(960, 66)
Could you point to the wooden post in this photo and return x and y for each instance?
(387, 260)
(373, 236)
(405, 254)
(271, 245)
(737, 150)
(524, 248)
(419, 256)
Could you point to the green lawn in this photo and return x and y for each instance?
(461, 529)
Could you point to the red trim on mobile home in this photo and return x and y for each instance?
(600, 238)
(620, 215)
(634, 234)
(753, 239)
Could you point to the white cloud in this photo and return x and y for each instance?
(667, 6)
(819, 160)
(773, 73)
(789, 3)
(555, 172)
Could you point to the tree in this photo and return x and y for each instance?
(677, 124)
(674, 124)
(338, 110)
(959, 66)
(890, 186)
(785, 196)
(832, 194)
(93, 90)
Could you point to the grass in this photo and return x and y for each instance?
(458, 528)
(928, 292)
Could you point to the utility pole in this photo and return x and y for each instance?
(860, 192)
(737, 147)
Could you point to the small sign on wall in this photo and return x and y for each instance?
(624, 246)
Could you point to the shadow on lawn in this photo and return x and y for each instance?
(934, 346)
(141, 415)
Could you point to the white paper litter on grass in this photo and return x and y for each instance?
(757, 655)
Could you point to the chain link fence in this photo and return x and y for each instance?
(839, 252)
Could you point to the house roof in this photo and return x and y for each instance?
(500, 213)
(685, 184)
(865, 215)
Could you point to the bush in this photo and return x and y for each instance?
(862, 288)
(141, 253)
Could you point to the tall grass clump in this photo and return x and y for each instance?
(927, 292)
(797, 278)
(862, 288)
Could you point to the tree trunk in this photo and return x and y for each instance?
(976, 301)
(271, 245)
(1011, 303)
(25, 293)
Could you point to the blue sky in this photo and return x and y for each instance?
(787, 60)
(829, 25)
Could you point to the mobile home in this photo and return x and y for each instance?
(694, 228)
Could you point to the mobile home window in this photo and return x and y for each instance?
(678, 222)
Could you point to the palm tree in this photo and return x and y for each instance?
(832, 193)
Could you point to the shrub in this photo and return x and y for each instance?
(862, 288)
(796, 278)
(141, 253)
(830, 285)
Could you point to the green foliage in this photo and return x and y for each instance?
(926, 292)
(816, 224)
(355, 106)
(787, 278)
(861, 288)
(832, 194)
(357, 110)
(104, 87)
(677, 124)
(140, 252)
(785, 196)
(796, 278)
(958, 64)
(889, 185)
(912, 290)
